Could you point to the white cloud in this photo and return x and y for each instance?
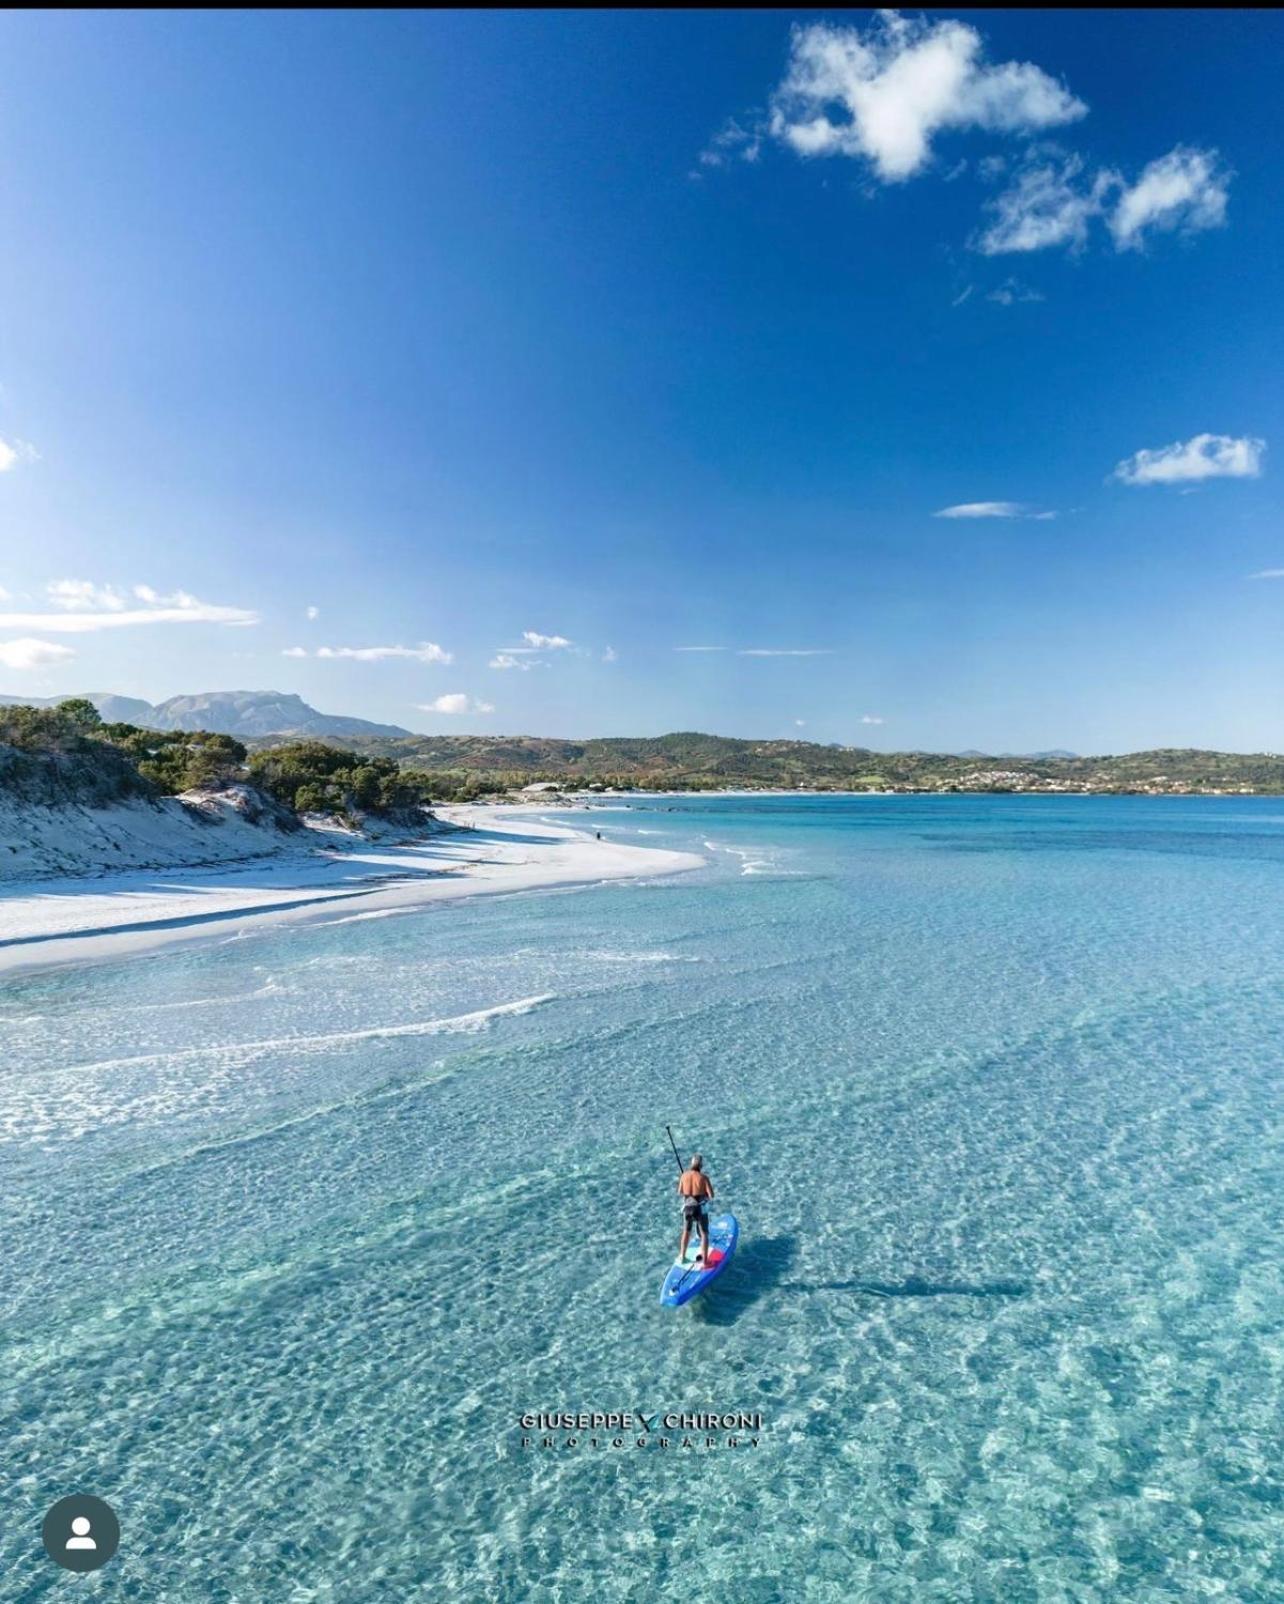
(1051, 201)
(1184, 190)
(883, 95)
(32, 653)
(733, 142)
(507, 660)
(454, 703)
(1048, 204)
(83, 596)
(86, 607)
(1012, 292)
(763, 651)
(535, 642)
(295, 651)
(1268, 573)
(4, 594)
(870, 718)
(800, 723)
(426, 652)
(982, 509)
(964, 294)
(12, 453)
(312, 612)
(1206, 456)
(610, 655)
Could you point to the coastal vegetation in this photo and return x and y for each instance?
(68, 752)
(461, 767)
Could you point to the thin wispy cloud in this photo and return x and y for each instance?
(1268, 573)
(1205, 456)
(883, 95)
(455, 703)
(610, 655)
(83, 607)
(870, 718)
(1184, 191)
(993, 509)
(762, 651)
(427, 651)
(506, 660)
(27, 653)
(1050, 203)
(1013, 293)
(14, 453)
(1053, 201)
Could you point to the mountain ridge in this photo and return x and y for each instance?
(246, 714)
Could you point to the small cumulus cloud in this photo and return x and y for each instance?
(800, 723)
(455, 703)
(883, 95)
(610, 655)
(295, 651)
(506, 660)
(870, 718)
(28, 653)
(535, 642)
(1053, 201)
(312, 612)
(1184, 191)
(1205, 456)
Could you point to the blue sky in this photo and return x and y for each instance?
(331, 339)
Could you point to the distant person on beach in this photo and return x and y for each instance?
(695, 1189)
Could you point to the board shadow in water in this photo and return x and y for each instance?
(914, 1286)
(759, 1265)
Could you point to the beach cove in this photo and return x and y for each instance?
(304, 1223)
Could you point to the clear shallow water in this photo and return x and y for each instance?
(297, 1225)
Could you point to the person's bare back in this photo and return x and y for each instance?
(695, 1189)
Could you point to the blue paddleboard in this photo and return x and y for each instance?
(687, 1276)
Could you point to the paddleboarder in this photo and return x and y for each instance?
(695, 1189)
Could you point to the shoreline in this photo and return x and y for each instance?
(55, 923)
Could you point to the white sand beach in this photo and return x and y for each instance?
(69, 919)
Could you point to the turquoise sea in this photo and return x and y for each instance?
(297, 1225)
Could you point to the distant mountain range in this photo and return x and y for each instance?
(244, 714)
(1055, 751)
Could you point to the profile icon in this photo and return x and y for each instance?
(81, 1527)
(81, 1533)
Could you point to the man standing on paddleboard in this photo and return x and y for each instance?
(696, 1189)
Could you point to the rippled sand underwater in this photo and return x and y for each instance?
(298, 1225)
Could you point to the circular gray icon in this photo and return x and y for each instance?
(81, 1533)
